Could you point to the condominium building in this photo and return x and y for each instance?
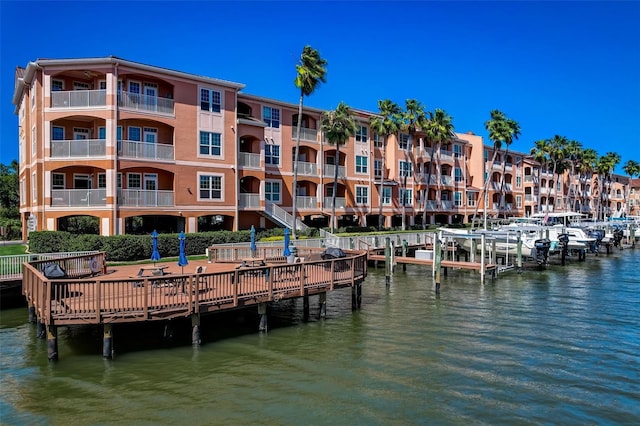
(140, 147)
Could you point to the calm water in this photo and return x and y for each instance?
(561, 346)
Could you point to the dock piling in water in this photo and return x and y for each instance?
(107, 342)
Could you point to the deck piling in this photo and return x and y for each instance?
(323, 305)
(387, 261)
(262, 311)
(52, 343)
(107, 342)
(195, 329)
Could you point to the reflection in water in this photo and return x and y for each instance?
(553, 346)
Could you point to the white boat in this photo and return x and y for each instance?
(506, 242)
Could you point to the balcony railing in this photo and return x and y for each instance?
(78, 197)
(310, 135)
(446, 204)
(308, 169)
(303, 202)
(145, 198)
(446, 180)
(248, 159)
(146, 150)
(446, 155)
(81, 148)
(249, 201)
(528, 178)
(432, 205)
(341, 202)
(140, 102)
(329, 171)
(79, 99)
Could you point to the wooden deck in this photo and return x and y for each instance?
(476, 266)
(117, 294)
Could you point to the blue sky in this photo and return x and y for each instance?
(569, 68)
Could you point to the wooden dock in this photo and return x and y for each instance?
(109, 295)
(454, 264)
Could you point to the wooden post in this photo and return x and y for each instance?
(195, 329)
(41, 329)
(359, 294)
(305, 305)
(107, 341)
(32, 313)
(437, 252)
(404, 254)
(632, 235)
(387, 260)
(323, 305)
(262, 311)
(494, 260)
(519, 252)
(52, 343)
(392, 264)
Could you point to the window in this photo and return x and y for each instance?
(361, 134)
(362, 164)
(33, 96)
(406, 197)
(78, 85)
(210, 144)
(405, 169)
(271, 116)
(102, 132)
(57, 85)
(403, 141)
(102, 85)
(486, 155)
(518, 181)
(134, 87)
(33, 141)
(102, 180)
(378, 141)
(272, 191)
(457, 150)
(272, 154)
(34, 187)
(457, 199)
(518, 201)
(134, 181)
(119, 180)
(150, 134)
(458, 174)
(135, 134)
(80, 133)
(471, 199)
(362, 194)
(210, 187)
(57, 133)
(377, 168)
(57, 181)
(210, 100)
(386, 195)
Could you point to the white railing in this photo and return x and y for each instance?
(81, 148)
(330, 170)
(495, 185)
(528, 197)
(528, 178)
(249, 201)
(341, 202)
(283, 217)
(140, 102)
(303, 202)
(432, 205)
(446, 155)
(310, 135)
(446, 204)
(307, 169)
(79, 99)
(146, 150)
(249, 159)
(497, 165)
(446, 180)
(11, 266)
(425, 152)
(145, 198)
(78, 197)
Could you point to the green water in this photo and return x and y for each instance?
(560, 346)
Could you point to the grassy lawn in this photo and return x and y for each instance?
(7, 250)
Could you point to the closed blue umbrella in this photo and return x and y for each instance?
(155, 254)
(253, 242)
(286, 251)
(182, 259)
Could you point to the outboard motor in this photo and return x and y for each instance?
(563, 239)
(598, 234)
(542, 250)
(617, 237)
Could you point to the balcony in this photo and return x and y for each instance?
(528, 178)
(308, 169)
(341, 202)
(446, 155)
(145, 198)
(330, 170)
(249, 160)
(145, 150)
(309, 135)
(249, 201)
(78, 197)
(446, 180)
(79, 99)
(446, 204)
(303, 202)
(81, 148)
(140, 102)
(432, 205)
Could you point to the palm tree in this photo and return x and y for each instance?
(512, 132)
(586, 167)
(632, 168)
(385, 124)
(558, 155)
(540, 153)
(574, 153)
(338, 126)
(501, 129)
(311, 72)
(605, 166)
(439, 129)
(414, 118)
